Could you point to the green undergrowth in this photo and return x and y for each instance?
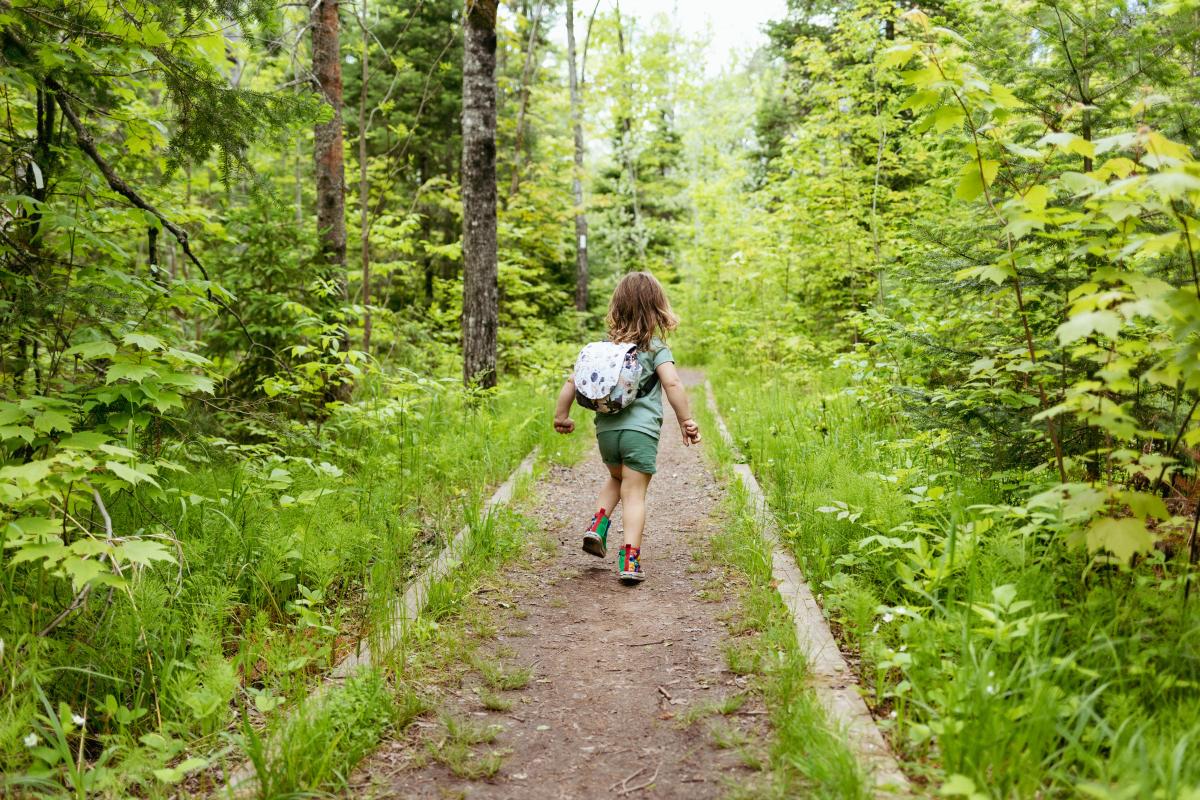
(282, 554)
(1003, 664)
(807, 757)
(316, 747)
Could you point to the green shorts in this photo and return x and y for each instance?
(634, 449)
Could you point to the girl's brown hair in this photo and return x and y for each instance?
(639, 310)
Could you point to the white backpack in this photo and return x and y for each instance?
(608, 376)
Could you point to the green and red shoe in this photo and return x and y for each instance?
(629, 566)
(595, 538)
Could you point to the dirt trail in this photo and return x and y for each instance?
(615, 668)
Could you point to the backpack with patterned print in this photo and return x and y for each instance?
(608, 377)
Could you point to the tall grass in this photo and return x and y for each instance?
(289, 549)
(991, 650)
(808, 758)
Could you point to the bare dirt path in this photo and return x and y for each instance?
(616, 670)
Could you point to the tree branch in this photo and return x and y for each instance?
(88, 145)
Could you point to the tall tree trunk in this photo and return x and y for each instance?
(626, 124)
(327, 138)
(364, 188)
(581, 227)
(480, 290)
(526, 83)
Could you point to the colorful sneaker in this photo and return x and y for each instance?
(595, 538)
(629, 566)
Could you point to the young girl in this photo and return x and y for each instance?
(638, 314)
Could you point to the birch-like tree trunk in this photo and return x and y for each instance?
(480, 291)
(581, 226)
(626, 145)
(364, 187)
(524, 91)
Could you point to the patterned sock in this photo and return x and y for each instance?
(629, 557)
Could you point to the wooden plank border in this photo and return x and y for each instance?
(832, 678)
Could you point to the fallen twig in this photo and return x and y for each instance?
(640, 786)
(627, 779)
(644, 644)
(665, 693)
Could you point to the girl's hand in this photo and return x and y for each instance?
(690, 431)
(564, 424)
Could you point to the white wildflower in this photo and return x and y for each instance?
(31, 740)
(78, 720)
(888, 617)
(991, 689)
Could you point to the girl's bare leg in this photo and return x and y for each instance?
(610, 495)
(633, 485)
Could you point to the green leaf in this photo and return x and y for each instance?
(49, 420)
(84, 440)
(89, 351)
(1035, 199)
(897, 55)
(1122, 537)
(1069, 143)
(947, 117)
(178, 772)
(976, 176)
(129, 371)
(82, 571)
(24, 432)
(1079, 183)
(33, 527)
(1085, 324)
(996, 273)
(132, 475)
(152, 34)
(1003, 97)
(1144, 504)
(921, 100)
(145, 341)
(187, 382)
(958, 786)
(143, 551)
(53, 551)
(31, 473)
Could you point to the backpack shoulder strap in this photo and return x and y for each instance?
(649, 385)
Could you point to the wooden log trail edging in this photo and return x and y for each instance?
(832, 678)
(403, 612)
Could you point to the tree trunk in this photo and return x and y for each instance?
(364, 187)
(526, 82)
(480, 290)
(626, 126)
(327, 138)
(581, 227)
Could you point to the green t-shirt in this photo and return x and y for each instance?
(646, 413)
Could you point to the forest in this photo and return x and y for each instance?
(287, 289)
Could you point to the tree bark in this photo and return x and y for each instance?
(364, 187)
(327, 138)
(581, 226)
(480, 289)
(526, 83)
(626, 126)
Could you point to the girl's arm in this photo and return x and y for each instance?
(678, 398)
(562, 409)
